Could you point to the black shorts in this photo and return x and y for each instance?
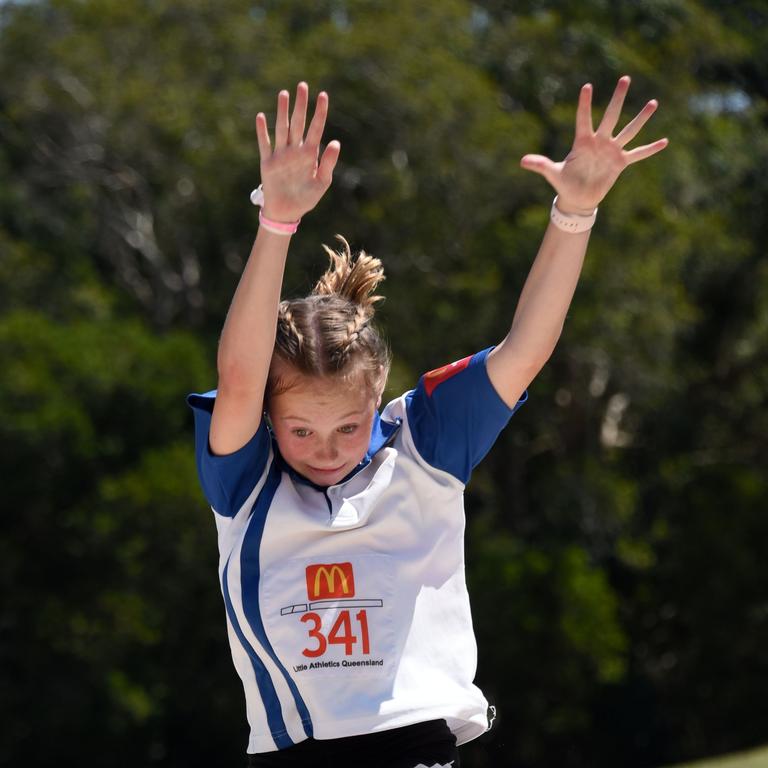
(426, 743)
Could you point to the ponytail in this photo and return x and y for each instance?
(352, 279)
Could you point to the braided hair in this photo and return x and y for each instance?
(330, 332)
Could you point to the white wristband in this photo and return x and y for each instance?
(571, 222)
(257, 196)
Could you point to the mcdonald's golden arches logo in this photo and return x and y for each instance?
(328, 580)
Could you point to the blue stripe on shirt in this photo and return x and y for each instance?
(263, 680)
(250, 573)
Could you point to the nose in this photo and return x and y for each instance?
(328, 450)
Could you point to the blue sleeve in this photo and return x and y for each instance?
(455, 415)
(227, 481)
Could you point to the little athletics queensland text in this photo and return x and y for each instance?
(342, 663)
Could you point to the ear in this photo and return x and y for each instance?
(383, 374)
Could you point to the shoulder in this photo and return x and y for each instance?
(454, 414)
(227, 480)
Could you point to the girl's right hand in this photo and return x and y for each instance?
(293, 175)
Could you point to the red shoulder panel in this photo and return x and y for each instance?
(439, 375)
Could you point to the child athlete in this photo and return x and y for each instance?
(341, 529)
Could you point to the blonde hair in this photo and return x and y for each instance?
(329, 333)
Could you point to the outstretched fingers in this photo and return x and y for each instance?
(262, 136)
(635, 155)
(634, 126)
(299, 117)
(328, 162)
(281, 121)
(584, 112)
(613, 110)
(317, 126)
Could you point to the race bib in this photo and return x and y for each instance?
(331, 616)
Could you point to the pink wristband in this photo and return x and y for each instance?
(278, 227)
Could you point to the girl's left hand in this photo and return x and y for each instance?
(596, 158)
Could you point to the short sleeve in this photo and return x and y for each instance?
(455, 415)
(227, 481)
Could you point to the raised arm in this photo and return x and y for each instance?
(581, 181)
(294, 177)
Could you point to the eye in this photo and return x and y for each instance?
(300, 432)
(348, 429)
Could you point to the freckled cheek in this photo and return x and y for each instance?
(300, 449)
(292, 449)
(358, 447)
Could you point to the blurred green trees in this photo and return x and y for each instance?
(616, 531)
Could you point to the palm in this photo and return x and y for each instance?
(597, 158)
(290, 176)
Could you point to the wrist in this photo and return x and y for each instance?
(271, 212)
(279, 216)
(275, 221)
(568, 207)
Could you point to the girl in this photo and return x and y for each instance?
(341, 530)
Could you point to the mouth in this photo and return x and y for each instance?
(329, 471)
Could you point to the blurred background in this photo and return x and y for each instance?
(616, 533)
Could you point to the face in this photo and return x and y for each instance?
(323, 427)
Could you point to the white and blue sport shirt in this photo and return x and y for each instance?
(347, 608)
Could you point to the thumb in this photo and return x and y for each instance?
(541, 165)
(328, 162)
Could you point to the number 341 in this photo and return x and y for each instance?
(340, 634)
